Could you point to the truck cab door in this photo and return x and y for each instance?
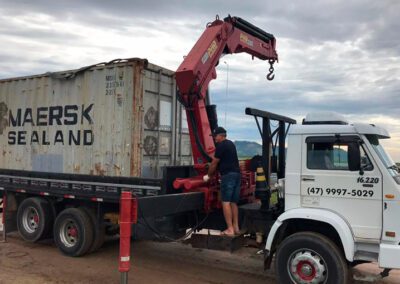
(328, 183)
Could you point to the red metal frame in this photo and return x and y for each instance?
(193, 77)
(211, 189)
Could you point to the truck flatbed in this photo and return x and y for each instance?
(151, 193)
(78, 185)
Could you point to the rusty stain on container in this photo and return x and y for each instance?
(99, 169)
(77, 168)
(117, 170)
(137, 113)
(3, 117)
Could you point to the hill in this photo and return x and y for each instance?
(247, 148)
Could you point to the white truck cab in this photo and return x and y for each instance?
(342, 202)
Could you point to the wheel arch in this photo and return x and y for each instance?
(321, 221)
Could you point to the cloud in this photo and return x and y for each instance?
(334, 55)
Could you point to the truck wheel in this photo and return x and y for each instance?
(34, 219)
(73, 232)
(310, 257)
(99, 230)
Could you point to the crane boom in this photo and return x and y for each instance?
(232, 35)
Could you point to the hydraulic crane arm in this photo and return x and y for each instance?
(233, 35)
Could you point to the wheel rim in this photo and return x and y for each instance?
(30, 219)
(69, 235)
(307, 266)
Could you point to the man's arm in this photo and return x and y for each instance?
(212, 169)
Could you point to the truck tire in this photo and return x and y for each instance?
(310, 257)
(99, 230)
(73, 232)
(34, 219)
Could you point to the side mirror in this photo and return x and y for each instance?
(354, 157)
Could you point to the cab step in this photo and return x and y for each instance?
(213, 240)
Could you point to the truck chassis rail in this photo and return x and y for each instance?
(95, 188)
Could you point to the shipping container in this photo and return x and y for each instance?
(120, 118)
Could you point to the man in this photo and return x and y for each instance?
(226, 160)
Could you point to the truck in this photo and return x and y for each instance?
(333, 205)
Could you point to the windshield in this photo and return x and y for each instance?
(385, 158)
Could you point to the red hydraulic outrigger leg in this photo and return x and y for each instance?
(128, 216)
(232, 35)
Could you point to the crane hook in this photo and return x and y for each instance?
(270, 76)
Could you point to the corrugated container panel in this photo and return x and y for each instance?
(120, 119)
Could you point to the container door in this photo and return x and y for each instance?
(327, 182)
(159, 114)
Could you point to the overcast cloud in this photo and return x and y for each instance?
(340, 56)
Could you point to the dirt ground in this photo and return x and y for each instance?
(152, 262)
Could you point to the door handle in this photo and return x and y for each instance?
(308, 178)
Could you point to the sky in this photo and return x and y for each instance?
(334, 55)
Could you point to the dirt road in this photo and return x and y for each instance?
(22, 262)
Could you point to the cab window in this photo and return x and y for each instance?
(329, 155)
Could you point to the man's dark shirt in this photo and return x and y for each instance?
(228, 160)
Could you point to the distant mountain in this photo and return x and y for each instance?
(247, 148)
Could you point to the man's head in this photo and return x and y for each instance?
(219, 134)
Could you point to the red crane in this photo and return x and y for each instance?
(232, 35)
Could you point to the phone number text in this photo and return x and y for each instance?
(339, 192)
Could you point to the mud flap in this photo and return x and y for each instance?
(8, 212)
